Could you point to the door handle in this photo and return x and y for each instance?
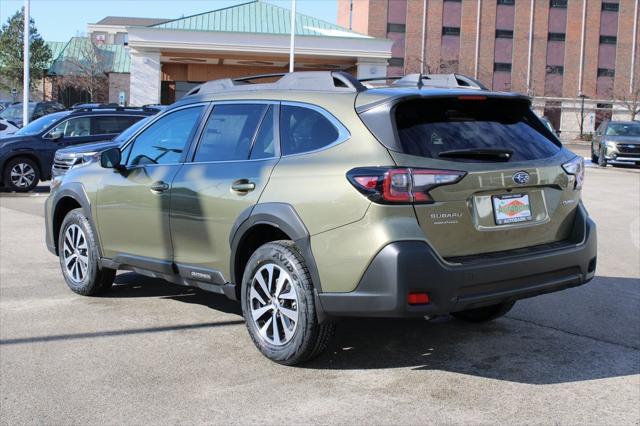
(159, 186)
(243, 185)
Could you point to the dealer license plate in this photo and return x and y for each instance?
(512, 208)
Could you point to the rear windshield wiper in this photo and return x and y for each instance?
(479, 153)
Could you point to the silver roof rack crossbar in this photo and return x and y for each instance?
(445, 81)
(331, 81)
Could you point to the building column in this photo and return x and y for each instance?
(146, 77)
(371, 68)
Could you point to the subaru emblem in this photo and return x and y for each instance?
(521, 178)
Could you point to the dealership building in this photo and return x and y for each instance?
(559, 51)
(169, 57)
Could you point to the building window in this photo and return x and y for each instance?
(555, 69)
(507, 2)
(500, 66)
(396, 62)
(606, 72)
(560, 4)
(610, 7)
(557, 36)
(608, 39)
(451, 31)
(504, 33)
(396, 28)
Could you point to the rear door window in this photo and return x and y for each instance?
(74, 127)
(304, 129)
(112, 124)
(229, 132)
(428, 128)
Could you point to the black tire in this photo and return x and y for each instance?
(486, 313)
(602, 160)
(22, 184)
(95, 280)
(309, 338)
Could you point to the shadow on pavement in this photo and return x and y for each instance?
(510, 349)
(130, 284)
(40, 189)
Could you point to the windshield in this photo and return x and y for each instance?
(623, 129)
(428, 128)
(122, 137)
(14, 112)
(41, 124)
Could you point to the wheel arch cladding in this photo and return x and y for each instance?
(68, 199)
(265, 223)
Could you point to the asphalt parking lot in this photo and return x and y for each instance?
(151, 352)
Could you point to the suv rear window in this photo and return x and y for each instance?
(427, 128)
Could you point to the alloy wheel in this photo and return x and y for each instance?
(22, 175)
(273, 302)
(75, 253)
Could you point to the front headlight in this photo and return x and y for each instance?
(575, 167)
(76, 159)
(611, 145)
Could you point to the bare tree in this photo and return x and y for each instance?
(87, 70)
(631, 103)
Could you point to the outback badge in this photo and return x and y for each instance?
(521, 178)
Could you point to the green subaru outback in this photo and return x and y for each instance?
(314, 197)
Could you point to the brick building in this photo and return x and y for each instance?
(553, 50)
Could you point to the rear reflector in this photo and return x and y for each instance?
(418, 298)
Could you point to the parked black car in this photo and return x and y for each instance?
(35, 110)
(26, 156)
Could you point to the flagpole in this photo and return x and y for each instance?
(293, 36)
(25, 65)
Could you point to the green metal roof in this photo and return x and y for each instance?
(56, 48)
(115, 58)
(257, 17)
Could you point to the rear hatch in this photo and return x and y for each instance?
(503, 181)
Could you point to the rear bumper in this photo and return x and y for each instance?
(412, 266)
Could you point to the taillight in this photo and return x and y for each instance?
(394, 185)
(575, 167)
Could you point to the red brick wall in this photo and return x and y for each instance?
(539, 52)
(592, 42)
(488, 42)
(434, 34)
(468, 37)
(521, 42)
(413, 37)
(623, 49)
(572, 49)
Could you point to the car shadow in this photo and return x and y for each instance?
(130, 284)
(38, 190)
(511, 348)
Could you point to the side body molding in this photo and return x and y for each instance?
(279, 215)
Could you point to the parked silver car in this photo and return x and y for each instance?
(616, 142)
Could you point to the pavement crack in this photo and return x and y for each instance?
(574, 333)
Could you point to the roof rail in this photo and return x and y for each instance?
(98, 107)
(445, 81)
(325, 81)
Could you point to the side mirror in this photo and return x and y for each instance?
(56, 136)
(558, 132)
(110, 159)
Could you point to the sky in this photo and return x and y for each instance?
(59, 20)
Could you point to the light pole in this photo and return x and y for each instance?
(292, 43)
(25, 67)
(582, 96)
